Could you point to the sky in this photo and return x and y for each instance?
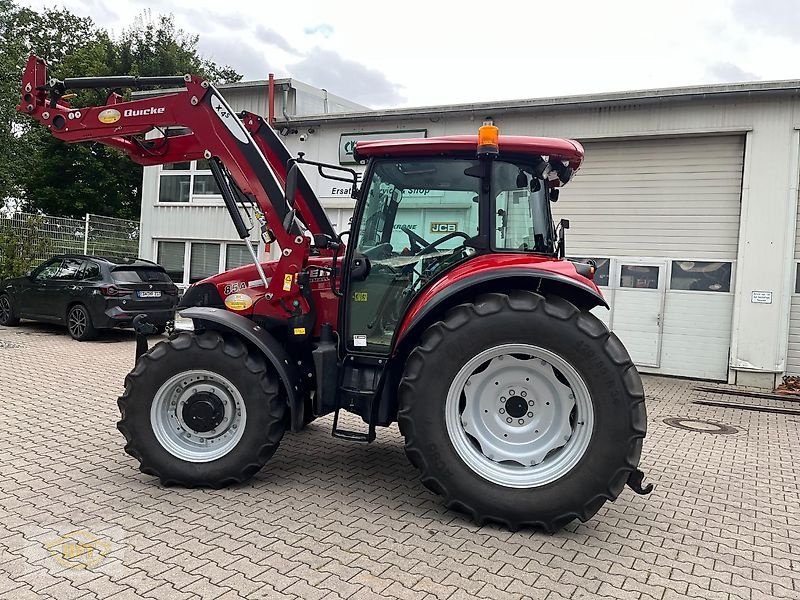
(417, 53)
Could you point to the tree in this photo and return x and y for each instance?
(53, 34)
(72, 179)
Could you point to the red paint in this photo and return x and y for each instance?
(325, 301)
(570, 150)
(271, 107)
(486, 264)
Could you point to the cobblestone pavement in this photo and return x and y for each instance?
(331, 519)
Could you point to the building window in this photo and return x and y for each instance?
(204, 261)
(602, 273)
(187, 181)
(236, 255)
(171, 257)
(701, 276)
(639, 276)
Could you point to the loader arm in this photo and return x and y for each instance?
(257, 168)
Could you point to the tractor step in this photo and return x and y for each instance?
(352, 436)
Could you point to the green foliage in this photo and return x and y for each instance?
(72, 179)
(21, 246)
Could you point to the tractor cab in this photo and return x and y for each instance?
(431, 204)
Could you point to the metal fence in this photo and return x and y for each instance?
(94, 234)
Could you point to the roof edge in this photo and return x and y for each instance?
(727, 90)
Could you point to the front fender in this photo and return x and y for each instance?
(496, 279)
(223, 320)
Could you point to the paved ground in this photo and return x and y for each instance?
(331, 519)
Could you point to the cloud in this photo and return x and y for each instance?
(246, 59)
(323, 29)
(725, 72)
(273, 38)
(774, 17)
(348, 78)
(99, 11)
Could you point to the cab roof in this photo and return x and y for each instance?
(561, 149)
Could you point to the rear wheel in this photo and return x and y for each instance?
(8, 317)
(201, 410)
(79, 324)
(522, 410)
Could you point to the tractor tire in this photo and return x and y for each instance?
(79, 324)
(201, 410)
(8, 317)
(522, 410)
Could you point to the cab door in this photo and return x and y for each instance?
(418, 218)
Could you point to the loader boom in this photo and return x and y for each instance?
(247, 151)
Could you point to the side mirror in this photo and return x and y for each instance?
(360, 268)
(291, 184)
(554, 192)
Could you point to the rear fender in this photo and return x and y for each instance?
(502, 280)
(225, 321)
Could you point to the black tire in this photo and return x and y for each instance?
(8, 316)
(229, 357)
(79, 323)
(617, 396)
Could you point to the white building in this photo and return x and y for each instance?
(688, 198)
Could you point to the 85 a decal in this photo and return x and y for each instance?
(232, 288)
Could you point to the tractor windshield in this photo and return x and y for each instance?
(422, 216)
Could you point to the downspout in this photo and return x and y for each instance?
(286, 102)
(271, 101)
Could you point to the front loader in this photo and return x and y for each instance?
(449, 308)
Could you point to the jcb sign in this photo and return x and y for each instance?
(445, 227)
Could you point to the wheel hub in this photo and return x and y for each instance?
(198, 416)
(203, 412)
(517, 407)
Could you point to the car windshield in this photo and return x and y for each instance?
(140, 275)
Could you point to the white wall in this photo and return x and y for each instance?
(766, 237)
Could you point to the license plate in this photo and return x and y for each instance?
(149, 294)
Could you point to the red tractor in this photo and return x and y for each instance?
(450, 309)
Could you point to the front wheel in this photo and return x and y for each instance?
(201, 410)
(522, 410)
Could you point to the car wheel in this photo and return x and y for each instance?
(8, 317)
(79, 324)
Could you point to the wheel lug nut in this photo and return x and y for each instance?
(530, 402)
(523, 394)
(502, 411)
(508, 420)
(530, 415)
(522, 421)
(512, 393)
(502, 399)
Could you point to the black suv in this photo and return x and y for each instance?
(88, 293)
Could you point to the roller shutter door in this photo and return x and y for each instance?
(665, 212)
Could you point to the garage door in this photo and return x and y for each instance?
(793, 354)
(663, 217)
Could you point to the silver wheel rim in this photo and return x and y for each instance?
(177, 437)
(512, 448)
(5, 309)
(77, 322)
